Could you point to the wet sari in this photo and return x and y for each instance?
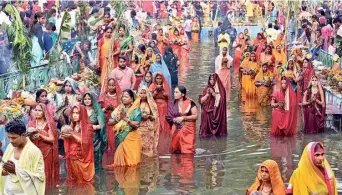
(264, 92)
(225, 77)
(213, 110)
(106, 100)
(162, 102)
(104, 46)
(284, 120)
(278, 186)
(310, 179)
(127, 139)
(249, 72)
(97, 117)
(238, 51)
(80, 155)
(49, 150)
(314, 113)
(149, 128)
(195, 29)
(184, 134)
(171, 61)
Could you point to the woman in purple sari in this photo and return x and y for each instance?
(213, 108)
(182, 116)
(314, 107)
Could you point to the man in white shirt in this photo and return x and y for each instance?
(187, 27)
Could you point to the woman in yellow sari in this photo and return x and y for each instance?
(148, 59)
(104, 47)
(249, 71)
(264, 82)
(280, 60)
(126, 119)
(243, 64)
(314, 174)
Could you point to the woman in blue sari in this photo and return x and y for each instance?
(126, 119)
(98, 121)
(160, 66)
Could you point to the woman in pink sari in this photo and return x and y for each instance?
(45, 139)
(182, 116)
(284, 112)
(224, 75)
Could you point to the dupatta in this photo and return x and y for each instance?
(101, 120)
(174, 111)
(308, 178)
(122, 128)
(278, 187)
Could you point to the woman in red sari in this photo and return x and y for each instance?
(259, 44)
(79, 149)
(284, 112)
(304, 78)
(314, 107)
(162, 41)
(239, 47)
(213, 108)
(176, 44)
(182, 116)
(109, 100)
(185, 47)
(45, 139)
(160, 90)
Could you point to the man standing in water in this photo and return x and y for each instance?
(22, 166)
(124, 75)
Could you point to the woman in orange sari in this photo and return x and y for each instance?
(148, 59)
(284, 112)
(268, 180)
(264, 83)
(104, 47)
(249, 71)
(267, 56)
(239, 47)
(280, 59)
(162, 41)
(46, 140)
(314, 174)
(160, 90)
(259, 44)
(109, 100)
(79, 149)
(185, 47)
(176, 44)
(182, 116)
(195, 29)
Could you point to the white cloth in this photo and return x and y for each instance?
(218, 62)
(187, 26)
(12, 188)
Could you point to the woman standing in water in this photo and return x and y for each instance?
(98, 121)
(225, 76)
(314, 107)
(284, 112)
(45, 139)
(126, 119)
(109, 100)
(268, 180)
(213, 108)
(149, 125)
(79, 149)
(172, 63)
(264, 83)
(182, 116)
(161, 93)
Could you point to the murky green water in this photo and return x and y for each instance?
(223, 165)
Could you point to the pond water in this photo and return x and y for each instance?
(225, 165)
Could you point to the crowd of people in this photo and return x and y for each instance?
(140, 104)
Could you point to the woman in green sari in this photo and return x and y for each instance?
(126, 119)
(126, 47)
(98, 122)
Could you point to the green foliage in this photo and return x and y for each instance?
(17, 34)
